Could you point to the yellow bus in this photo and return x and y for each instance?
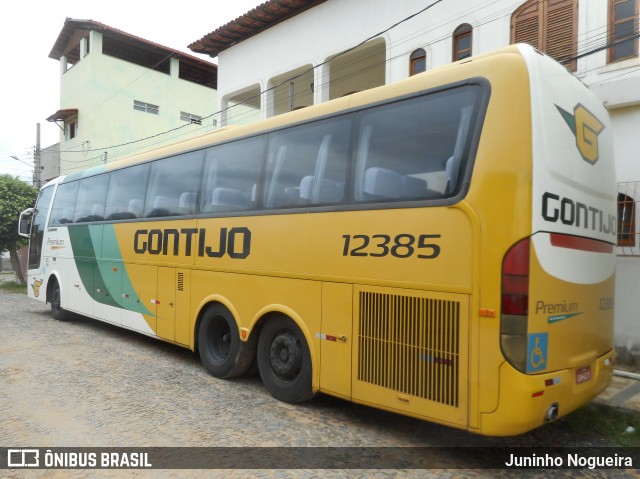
(441, 247)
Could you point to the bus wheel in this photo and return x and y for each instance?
(221, 351)
(56, 309)
(284, 361)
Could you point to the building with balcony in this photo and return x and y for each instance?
(288, 54)
(121, 94)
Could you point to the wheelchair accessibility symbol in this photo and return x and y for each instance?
(537, 352)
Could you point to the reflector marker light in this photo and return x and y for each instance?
(487, 313)
(551, 382)
(328, 337)
(580, 243)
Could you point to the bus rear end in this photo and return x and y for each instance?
(557, 286)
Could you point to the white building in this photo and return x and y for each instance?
(286, 54)
(49, 163)
(117, 89)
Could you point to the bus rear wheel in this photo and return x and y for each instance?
(221, 351)
(284, 361)
(56, 308)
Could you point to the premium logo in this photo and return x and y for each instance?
(586, 128)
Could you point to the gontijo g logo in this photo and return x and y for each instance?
(586, 128)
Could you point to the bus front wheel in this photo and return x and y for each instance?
(56, 308)
(221, 351)
(284, 361)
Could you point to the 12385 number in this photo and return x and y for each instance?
(400, 246)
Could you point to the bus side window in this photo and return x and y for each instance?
(173, 185)
(307, 164)
(92, 194)
(231, 174)
(414, 149)
(125, 197)
(64, 203)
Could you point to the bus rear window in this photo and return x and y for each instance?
(416, 149)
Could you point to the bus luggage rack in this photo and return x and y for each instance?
(410, 345)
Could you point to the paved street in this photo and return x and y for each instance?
(86, 383)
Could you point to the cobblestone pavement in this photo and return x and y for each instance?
(84, 383)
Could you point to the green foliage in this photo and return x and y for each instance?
(611, 423)
(13, 287)
(15, 196)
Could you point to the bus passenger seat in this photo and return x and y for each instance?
(97, 212)
(412, 187)
(135, 207)
(291, 196)
(163, 206)
(227, 197)
(187, 203)
(67, 216)
(330, 191)
(451, 168)
(381, 183)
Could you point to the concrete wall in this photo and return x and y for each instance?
(322, 32)
(50, 161)
(618, 86)
(103, 89)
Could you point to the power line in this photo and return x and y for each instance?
(499, 14)
(273, 87)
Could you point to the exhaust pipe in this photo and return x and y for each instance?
(552, 412)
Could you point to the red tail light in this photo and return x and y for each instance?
(515, 279)
(514, 317)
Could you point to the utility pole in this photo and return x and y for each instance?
(37, 168)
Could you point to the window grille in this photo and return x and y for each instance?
(191, 118)
(146, 107)
(628, 221)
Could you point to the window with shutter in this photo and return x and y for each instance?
(462, 42)
(626, 220)
(623, 29)
(417, 61)
(550, 26)
(525, 24)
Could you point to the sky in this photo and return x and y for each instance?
(30, 80)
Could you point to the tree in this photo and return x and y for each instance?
(15, 197)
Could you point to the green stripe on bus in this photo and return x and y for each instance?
(105, 279)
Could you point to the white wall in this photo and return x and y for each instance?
(328, 29)
(618, 86)
(50, 162)
(627, 316)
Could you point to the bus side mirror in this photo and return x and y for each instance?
(24, 224)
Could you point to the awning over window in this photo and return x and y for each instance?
(63, 115)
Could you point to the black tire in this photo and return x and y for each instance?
(284, 361)
(221, 351)
(56, 305)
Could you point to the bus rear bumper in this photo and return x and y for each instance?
(528, 401)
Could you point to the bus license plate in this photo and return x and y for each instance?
(583, 374)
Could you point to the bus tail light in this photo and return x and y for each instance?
(515, 304)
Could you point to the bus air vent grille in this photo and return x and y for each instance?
(410, 345)
(180, 281)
